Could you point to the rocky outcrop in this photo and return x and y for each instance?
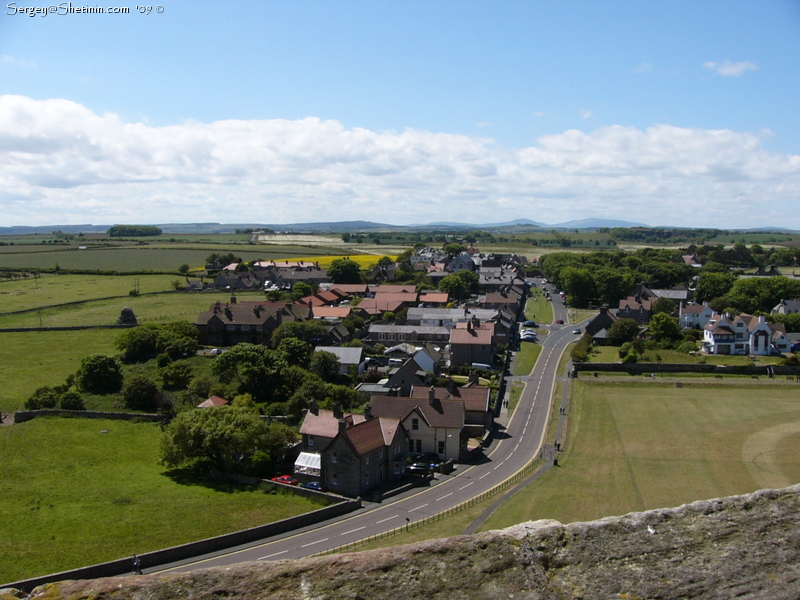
(739, 547)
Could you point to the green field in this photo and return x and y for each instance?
(638, 446)
(601, 354)
(73, 496)
(537, 308)
(525, 359)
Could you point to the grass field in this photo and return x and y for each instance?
(48, 289)
(537, 308)
(73, 496)
(526, 358)
(637, 446)
(611, 354)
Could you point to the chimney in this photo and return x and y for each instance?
(337, 411)
(432, 396)
(233, 298)
(451, 385)
(313, 407)
(368, 413)
(342, 424)
(473, 377)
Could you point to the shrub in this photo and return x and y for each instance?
(176, 375)
(140, 393)
(43, 397)
(72, 400)
(99, 374)
(162, 360)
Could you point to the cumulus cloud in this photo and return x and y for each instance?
(730, 69)
(60, 162)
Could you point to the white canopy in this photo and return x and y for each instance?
(308, 463)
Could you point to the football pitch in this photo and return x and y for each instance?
(639, 446)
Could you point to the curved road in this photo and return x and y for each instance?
(520, 441)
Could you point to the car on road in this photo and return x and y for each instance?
(419, 468)
(577, 330)
(429, 458)
(285, 479)
(529, 324)
(560, 321)
(314, 485)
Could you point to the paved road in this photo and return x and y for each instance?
(520, 441)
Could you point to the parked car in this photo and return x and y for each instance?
(429, 458)
(560, 321)
(529, 324)
(418, 468)
(285, 479)
(314, 485)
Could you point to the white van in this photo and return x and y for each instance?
(395, 362)
(481, 366)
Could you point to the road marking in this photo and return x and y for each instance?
(388, 519)
(353, 530)
(466, 486)
(423, 506)
(482, 476)
(312, 543)
(445, 496)
(271, 555)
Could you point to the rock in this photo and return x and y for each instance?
(743, 547)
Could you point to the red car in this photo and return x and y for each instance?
(285, 479)
(560, 321)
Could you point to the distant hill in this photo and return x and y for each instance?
(596, 224)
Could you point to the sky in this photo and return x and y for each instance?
(682, 113)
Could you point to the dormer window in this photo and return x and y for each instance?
(415, 424)
(334, 458)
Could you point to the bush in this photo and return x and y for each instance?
(99, 374)
(140, 393)
(43, 397)
(72, 400)
(162, 360)
(176, 375)
(686, 347)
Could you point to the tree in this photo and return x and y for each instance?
(176, 375)
(344, 270)
(99, 374)
(454, 285)
(664, 328)
(295, 351)
(385, 261)
(227, 438)
(183, 269)
(300, 289)
(312, 332)
(257, 370)
(713, 285)
(663, 305)
(453, 249)
(579, 285)
(140, 393)
(325, 365)
(623, 330)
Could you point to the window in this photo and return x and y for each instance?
(334, 479)
(410, 445)
(441, 447)
(311, 441)
(230, 327)
(245, 327)
(397, 470)
(366, 459)
(334, 458)
(380, 454)
(366, 479)
(415, 424)
(419, 446)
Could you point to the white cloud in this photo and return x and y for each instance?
(62, 163)
(728, 69)
(16, 62)
(585, 114)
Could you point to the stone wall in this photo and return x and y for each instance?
(26, 415)
(649, 367)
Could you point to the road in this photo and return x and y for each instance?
(521, 440)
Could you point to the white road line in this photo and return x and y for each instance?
(388, 519)
(485, 475)
(271, 555)
(353, 530)
(423, 506)
(466, 486)
(445, 496)
(312, 543)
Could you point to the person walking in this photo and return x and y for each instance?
(137, 565)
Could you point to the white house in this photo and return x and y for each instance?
(695, 316)
(745, 334)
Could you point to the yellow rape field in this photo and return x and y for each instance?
(364, 261)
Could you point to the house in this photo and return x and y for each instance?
(786, 307)
(350, 359)
(461, 262)
(640, 310)
(213, 401)
(599, 326)
(432, 425)
(383, 332)
(472, 342)
(364, 456)
(478, 414)
(744, 334)
(250, 322)
(695, 316)
(320, 426)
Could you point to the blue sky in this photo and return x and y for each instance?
(668, 113)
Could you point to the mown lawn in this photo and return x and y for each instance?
(537, 308)
(74, 495)
(601, 354)
(526, 357)
(638, 446)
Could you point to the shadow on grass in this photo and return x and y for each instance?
(204, 478)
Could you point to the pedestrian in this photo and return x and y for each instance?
(137, 565)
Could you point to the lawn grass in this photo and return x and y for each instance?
(526, 357)
(51, 289)
(74, 496)
(576, 315)
(537, 308)
(638, 446)
(516, 393)
(33, 359)
(602, 354)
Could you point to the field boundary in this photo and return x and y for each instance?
(643, 368)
